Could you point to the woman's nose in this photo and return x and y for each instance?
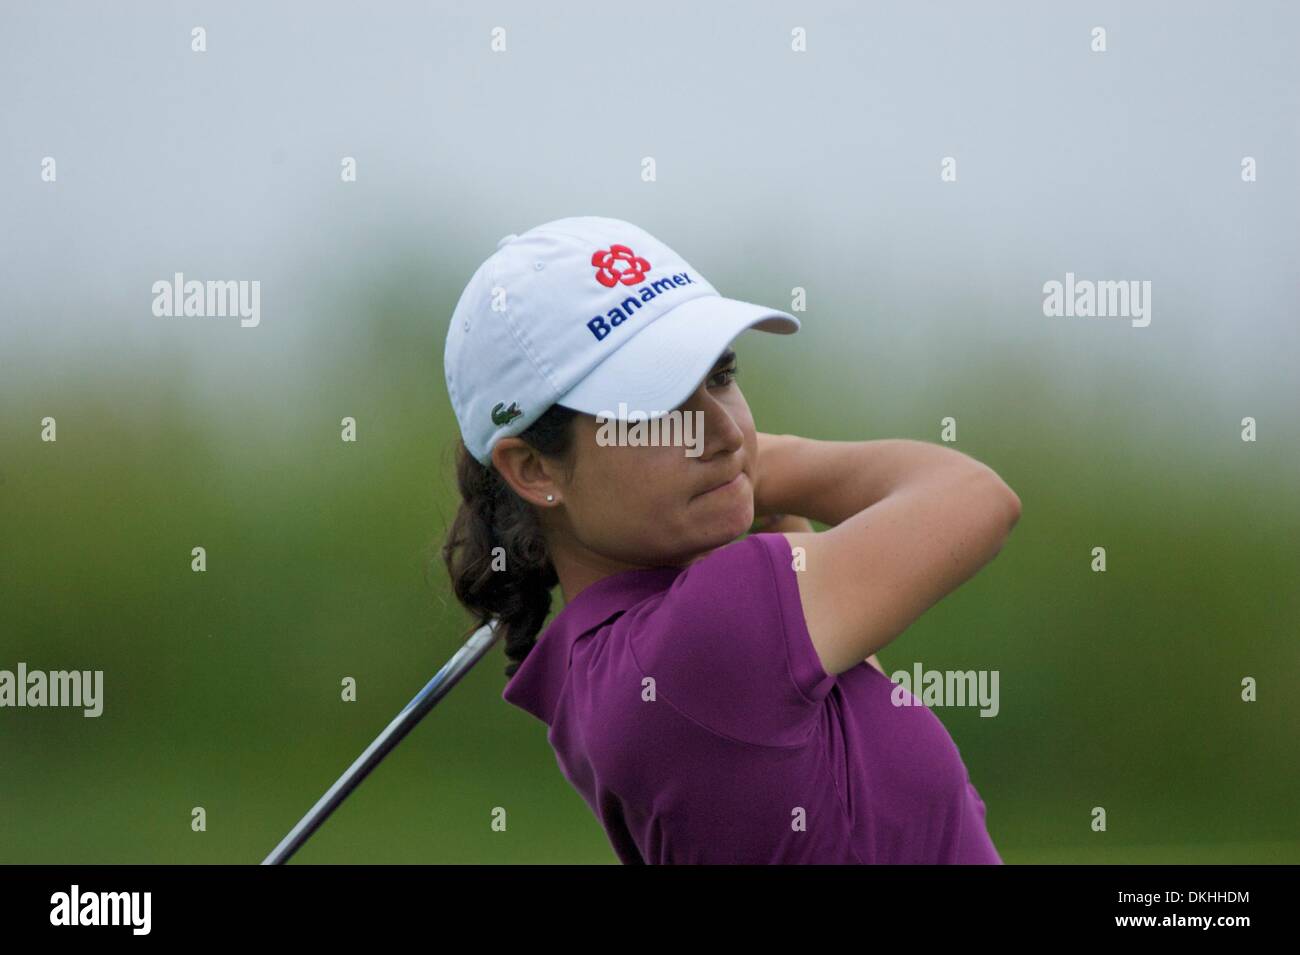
(719, 430)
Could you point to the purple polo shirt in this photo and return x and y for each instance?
(690, 710)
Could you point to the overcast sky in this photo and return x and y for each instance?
(774, 169)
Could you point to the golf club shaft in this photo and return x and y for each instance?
(460, 663)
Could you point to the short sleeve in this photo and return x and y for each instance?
(728, 646)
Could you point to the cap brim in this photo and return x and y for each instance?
(662, 364)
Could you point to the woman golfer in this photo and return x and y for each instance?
(712, 696)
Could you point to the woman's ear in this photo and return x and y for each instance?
(526, 471)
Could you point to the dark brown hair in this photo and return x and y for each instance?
(492, 515)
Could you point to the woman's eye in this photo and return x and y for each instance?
(725, 377)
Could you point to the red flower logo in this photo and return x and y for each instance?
(617, 264)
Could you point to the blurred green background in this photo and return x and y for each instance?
(222, 689)
(776, 171)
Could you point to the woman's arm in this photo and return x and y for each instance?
(780, 524)
(784, 523)
(909, 522)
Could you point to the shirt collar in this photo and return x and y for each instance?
(537, 684)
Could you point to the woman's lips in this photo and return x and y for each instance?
(734, 482)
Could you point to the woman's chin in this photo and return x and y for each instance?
(730, 526)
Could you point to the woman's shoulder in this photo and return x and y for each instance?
(727, 644)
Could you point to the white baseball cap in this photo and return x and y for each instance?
(587, 312)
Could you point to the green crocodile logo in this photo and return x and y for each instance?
(503, 415)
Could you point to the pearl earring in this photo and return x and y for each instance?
(550, 497)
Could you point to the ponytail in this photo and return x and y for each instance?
(491, 516)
